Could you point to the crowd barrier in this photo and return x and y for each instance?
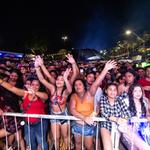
(115, 134)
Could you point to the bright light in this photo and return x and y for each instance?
(64, 38)
(128, 32)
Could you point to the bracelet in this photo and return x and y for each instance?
(2, 82)
(37, 67)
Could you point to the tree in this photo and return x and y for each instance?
(37, 45)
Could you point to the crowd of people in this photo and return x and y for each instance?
(115, 91)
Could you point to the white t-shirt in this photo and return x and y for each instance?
(97, 96)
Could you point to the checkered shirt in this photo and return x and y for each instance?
(119, 109)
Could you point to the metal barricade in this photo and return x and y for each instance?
(115, 134)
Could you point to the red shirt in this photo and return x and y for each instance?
(143, 82)
(36, 107)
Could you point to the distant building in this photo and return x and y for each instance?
(87, 55)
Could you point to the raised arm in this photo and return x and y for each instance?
(45, 71)
(74, 68)
(13, 89)
(108, 66)
(48, 85)
(42, 95)
(68, 84)
(31, 91)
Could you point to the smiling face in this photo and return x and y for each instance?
(137, 92)
(112, 91)
(60, 81)
(35, 85)
(13, 76)
(79, 87)
(23, 70)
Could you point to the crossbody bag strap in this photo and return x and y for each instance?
(29, 105)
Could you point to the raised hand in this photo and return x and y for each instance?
(36, 63)
(110, 64)
(66, 73)
(30, 90)
(40, 60)
(70, 58)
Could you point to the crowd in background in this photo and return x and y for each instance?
(112, 90)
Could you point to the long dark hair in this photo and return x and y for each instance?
(84, 84)
(19, 82)
(132, 107)
(64, 87)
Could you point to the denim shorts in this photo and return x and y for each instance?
(57, 121)
(88, 130)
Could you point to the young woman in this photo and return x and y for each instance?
(33, 103)
(82, 107)
(137, 135)
(112, 108)
(130, 78)
(59, 90)
(9, 102)
(24, 73)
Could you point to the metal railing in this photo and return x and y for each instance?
(115, 134)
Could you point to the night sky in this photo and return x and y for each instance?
(96, 24)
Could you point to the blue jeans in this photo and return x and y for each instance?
(36, 136)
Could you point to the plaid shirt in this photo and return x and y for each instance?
(119, 109)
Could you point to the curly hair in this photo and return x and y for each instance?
(132, 107)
